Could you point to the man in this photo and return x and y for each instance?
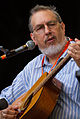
(48, 32)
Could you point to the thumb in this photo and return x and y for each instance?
(76, 39)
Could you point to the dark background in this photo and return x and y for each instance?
(14, 31)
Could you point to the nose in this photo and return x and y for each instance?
(47, 30)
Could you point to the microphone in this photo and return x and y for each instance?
(30, 45)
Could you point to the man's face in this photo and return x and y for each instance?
(46, 29)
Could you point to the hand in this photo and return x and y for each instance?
(74, 51)
(9, 113)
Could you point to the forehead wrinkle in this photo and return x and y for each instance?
(38, 18)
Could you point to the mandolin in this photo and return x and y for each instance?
(40, 100)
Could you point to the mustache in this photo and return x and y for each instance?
(50, 37)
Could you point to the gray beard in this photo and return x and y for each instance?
(52, 49)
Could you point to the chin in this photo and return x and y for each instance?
(52, 49)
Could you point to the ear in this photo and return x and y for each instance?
(63, 27)
(33, 38)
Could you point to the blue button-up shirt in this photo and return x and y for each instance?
(68, 104)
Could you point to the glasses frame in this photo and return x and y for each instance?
(40, 28)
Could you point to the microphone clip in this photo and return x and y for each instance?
(5, 51)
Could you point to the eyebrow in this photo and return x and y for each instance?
(38, 25)
(52, 21)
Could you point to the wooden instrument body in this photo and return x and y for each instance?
(41, 99)
(43, 102)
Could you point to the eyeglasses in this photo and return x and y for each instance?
(40, 29)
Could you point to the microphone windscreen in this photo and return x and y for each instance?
(30, 44)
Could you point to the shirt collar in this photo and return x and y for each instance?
(39, 64)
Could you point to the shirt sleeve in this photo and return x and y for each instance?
(23, 81)
(19, 86)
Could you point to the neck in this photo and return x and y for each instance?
(53, 58)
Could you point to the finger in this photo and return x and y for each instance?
(0, 114)
(73, 47)
(75, 54)
(77, 41)
(72, 50)
(13, 107)
(10, 111)
(8, 116)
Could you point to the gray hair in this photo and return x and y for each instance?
(39, 8)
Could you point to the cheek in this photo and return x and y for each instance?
(60, 33)
(41, 43)
(39, 39)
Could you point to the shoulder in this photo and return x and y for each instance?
(36, 62)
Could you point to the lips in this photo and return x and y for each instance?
(50, 39)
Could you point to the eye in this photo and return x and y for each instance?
(51, 24)
(40, 27)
